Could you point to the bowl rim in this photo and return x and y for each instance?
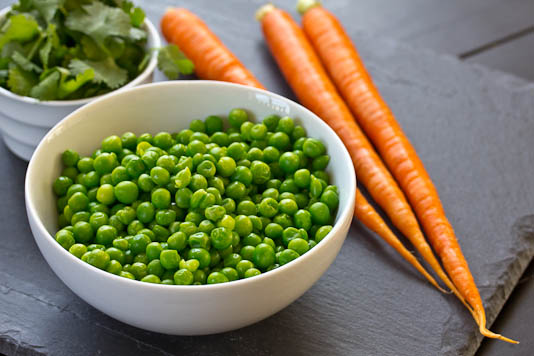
(345, 214)
(152, 34)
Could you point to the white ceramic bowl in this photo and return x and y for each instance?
(181, 310)
(24, 121)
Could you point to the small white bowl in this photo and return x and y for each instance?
(24, 121)
(179, 310)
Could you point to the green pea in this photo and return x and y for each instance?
(236, 190)
(258, 132)
(198, 181)
(78, 202)
(247, 207)
(98, 258)
(271, 122)
(78, 250)
(236, 151)
(220, 238)
(217, 277)
(61, 185)
(138, 243)
(83, 232)
(183, 277)
(197, 126)
(252, 272)
(190, 265)
(263, 256)
(105, 163)
(177, 241)
(302, 178)
(268, 207)
(126, 215)
(153, 250)
(65, 238)
(227, 221)
(105, 235)
(232, 260)
(280, 140)
(161, 198)
(247, 252)
(169, 259)
(303, 219)
(274, 230)
(287, 256)
(298, 245)
(230, 273)
(70, 158)
(313, 148)
(261, 172)
(201, 255)
(80, 216)
(121, 244)
(139, 270)
(288, 206)
(199, 240)
(322, 232)
(85, 164)
(243, 266)
(298, 133)
(146, 212)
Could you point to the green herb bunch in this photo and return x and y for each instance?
(71, 49)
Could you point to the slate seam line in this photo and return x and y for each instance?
(63, 309)
(498, 42)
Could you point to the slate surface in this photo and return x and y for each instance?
(471, 128)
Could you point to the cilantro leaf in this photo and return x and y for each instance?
(47, 88)
(67, 87)
(105, 71)
(137, 16)
(20, 82)
(4, 63)
(172, 62)
(48, 8)
(99, 21)
(21, 28)
(3, 76)
(25, 63)
(136, 34)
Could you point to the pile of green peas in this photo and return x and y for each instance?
(202, 206)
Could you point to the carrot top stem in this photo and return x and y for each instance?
(264, 10)
(305, 5)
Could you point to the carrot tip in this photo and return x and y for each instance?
(305, 5)
(264, 10)
(493, 335)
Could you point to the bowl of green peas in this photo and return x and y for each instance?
(212, 205)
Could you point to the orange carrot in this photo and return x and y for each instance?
(211, 58)
(304, 73)
(368, 216)
(347, 71)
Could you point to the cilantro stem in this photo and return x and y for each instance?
(35, 46)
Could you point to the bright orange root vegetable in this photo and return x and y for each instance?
(210, 56)
(347, 71)
(305, 74)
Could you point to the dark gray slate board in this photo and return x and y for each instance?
(473, 131)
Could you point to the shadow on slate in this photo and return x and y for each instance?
(471, 128)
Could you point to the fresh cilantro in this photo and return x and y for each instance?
(67, 87)
(20, 82)
(101, 42)
(21, 28)
(172, 62)
(3, 76)
(48, 8)
(137, 16)
(105, 71)
(47, 88)
(24, 63)
(99, 21)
